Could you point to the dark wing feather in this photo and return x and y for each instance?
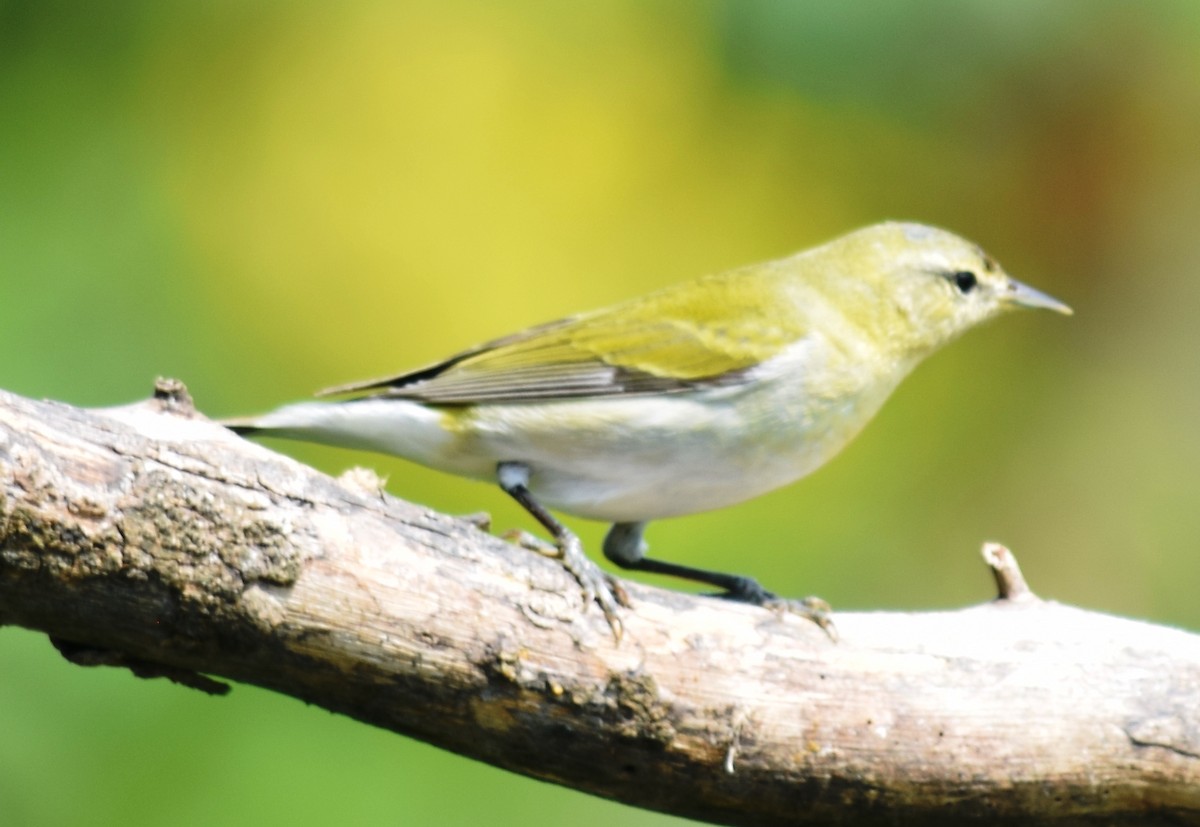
(700, 335)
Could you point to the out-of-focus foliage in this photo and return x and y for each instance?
(265, 198)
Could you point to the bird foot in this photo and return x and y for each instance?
(598, 586)
(749, 590)
(810, 608)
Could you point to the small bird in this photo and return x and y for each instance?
(692, 398)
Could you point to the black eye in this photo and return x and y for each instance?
(964, 280)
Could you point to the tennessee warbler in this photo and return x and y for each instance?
(692, 398)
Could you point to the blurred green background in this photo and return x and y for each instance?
(266, 198)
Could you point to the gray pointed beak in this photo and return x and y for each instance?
(1023, 295)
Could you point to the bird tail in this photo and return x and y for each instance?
(390, 426)
(242, 426)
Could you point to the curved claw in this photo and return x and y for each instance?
(811, 608)
(749, 590)
(598, 586)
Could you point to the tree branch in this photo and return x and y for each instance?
(149, 537)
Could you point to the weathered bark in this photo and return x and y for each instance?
(150, 537)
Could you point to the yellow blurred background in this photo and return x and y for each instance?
(262, 199)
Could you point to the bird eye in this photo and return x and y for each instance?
(964, 280)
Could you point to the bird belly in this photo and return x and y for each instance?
(642, 458)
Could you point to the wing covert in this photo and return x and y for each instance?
(703, 334)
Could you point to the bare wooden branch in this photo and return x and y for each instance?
(150, 537)
(1010, 583)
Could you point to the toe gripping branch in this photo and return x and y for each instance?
(598, 586)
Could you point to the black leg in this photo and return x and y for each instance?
(597, 585)
(625, 546)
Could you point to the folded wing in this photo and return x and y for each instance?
(704, 334)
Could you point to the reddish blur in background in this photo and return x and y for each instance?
(264, 199)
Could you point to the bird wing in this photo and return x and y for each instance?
(703, 334)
